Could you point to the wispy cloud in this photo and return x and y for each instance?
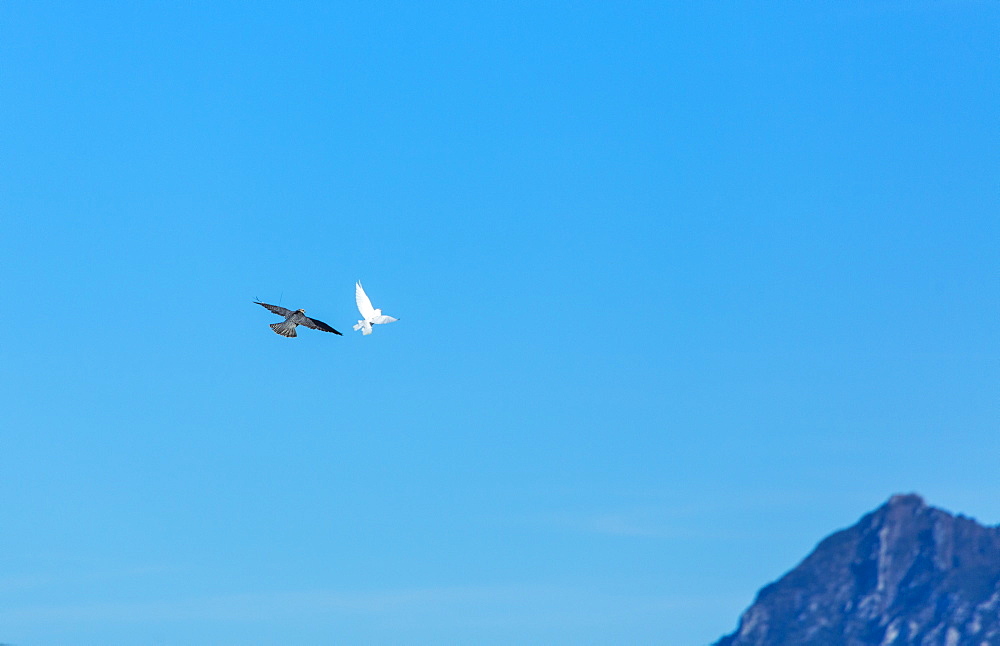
(636, 522)
(237, 607)
(496, 602)
(626, 524)
(33, 580)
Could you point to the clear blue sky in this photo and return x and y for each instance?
(682, 288)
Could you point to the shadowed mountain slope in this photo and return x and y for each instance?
(905, 574)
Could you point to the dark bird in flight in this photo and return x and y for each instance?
(293, 319)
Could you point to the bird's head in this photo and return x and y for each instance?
(300, 311)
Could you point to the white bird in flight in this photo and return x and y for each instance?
(371, 316)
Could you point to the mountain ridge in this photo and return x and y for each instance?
(904, 574)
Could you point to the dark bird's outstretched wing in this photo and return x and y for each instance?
(277, 309)
(317, 325)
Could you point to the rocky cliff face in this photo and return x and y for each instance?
(905, 574)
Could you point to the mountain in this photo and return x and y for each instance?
(905, 574)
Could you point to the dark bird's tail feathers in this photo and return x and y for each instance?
(284, 328)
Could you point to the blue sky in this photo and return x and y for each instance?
(682, 289)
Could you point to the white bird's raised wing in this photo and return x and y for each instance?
(364, 304)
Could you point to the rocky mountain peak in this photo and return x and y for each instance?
(905, 574)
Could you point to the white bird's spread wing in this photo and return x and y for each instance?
(364, 304)
(384, 319)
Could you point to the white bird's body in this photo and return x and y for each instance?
(370, 315)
